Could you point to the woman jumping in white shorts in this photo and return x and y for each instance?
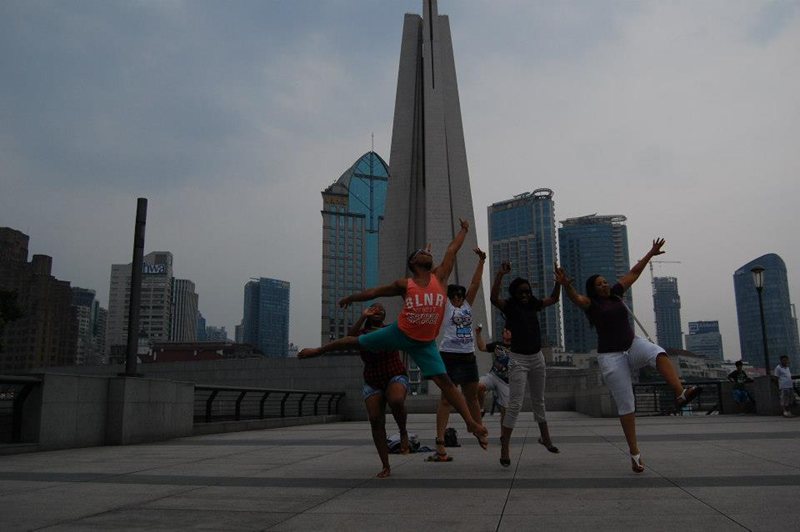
(619, 350)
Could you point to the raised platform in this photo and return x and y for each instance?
(704, 473)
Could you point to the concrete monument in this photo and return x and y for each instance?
(429, 187)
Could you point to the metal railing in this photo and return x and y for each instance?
(13, 392)
(225, 403)
(657, 398)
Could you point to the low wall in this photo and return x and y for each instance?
(81, 410)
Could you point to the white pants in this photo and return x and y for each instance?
(617, 368)
(522, 370)
(497, 385)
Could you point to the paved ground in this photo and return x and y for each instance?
(709, 473)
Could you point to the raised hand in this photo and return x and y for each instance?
(561, 276)
(344, 302)
(481, 254)
(464, 224)
(658, 243)
(505, 267)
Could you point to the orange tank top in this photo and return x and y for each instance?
(423, 310)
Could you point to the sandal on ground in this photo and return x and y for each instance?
(687, 396)
(550, 447)
(505, 462)
(439, 457)
(636, 463)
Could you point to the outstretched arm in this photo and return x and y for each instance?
(443, 270)
(498, 301)
(563, 279)
(479, 342)
(629, 278)
(475, 284)
(397, 288)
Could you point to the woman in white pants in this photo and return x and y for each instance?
(619, 350)
(526, 362)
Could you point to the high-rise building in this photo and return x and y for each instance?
(100, 325)
(351, 214)
(45, 334)
(265, 324)
(216, 334)
(779, 317)
(588, 245)
(201, 328)
(667, 305)
(429, 189)
(184, 311)
(522, 231)
(704, 339)
(90, 333)
(155, 310)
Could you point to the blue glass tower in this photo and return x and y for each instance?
(779, 318)
(522, 231)
(704, 339)
(667, 304)
(352, 211)
(588, 245)
(266, 316)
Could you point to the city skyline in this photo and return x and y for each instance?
(223, 118)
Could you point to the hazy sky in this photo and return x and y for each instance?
(231, 117)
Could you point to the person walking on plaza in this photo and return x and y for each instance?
(458, 353)
(786, 385)
(496, 381)
(418, 324)
(619, 350)
(739, 378)
(385, 383)
(526, 360)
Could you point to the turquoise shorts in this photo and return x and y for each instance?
(390, 338)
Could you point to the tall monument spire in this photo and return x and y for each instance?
(429, 189)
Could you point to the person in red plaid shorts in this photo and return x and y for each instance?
(385, 383)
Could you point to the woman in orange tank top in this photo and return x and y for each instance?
(417, 326)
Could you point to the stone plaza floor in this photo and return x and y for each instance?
(703, 473)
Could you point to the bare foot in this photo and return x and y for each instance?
(405, 446)
(384, 472)
(481, 434)
(308, 352)
(505, 460)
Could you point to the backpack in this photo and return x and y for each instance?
(451, 438)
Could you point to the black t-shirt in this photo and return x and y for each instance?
(523, 322)
(611, 319)
(739, 378)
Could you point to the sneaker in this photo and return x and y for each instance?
(787, 414)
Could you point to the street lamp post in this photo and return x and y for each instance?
(758, 280)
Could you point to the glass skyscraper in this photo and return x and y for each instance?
(266, 316)
(588, 245)
(667, 305)
(779, 316)
(522, 231)
(352, 211)
(704, 339)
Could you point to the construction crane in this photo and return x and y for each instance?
(652, 277)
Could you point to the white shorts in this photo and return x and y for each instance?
(617, 369)
(498, 386)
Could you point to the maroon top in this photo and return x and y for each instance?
(381, 366)
(612, 321)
